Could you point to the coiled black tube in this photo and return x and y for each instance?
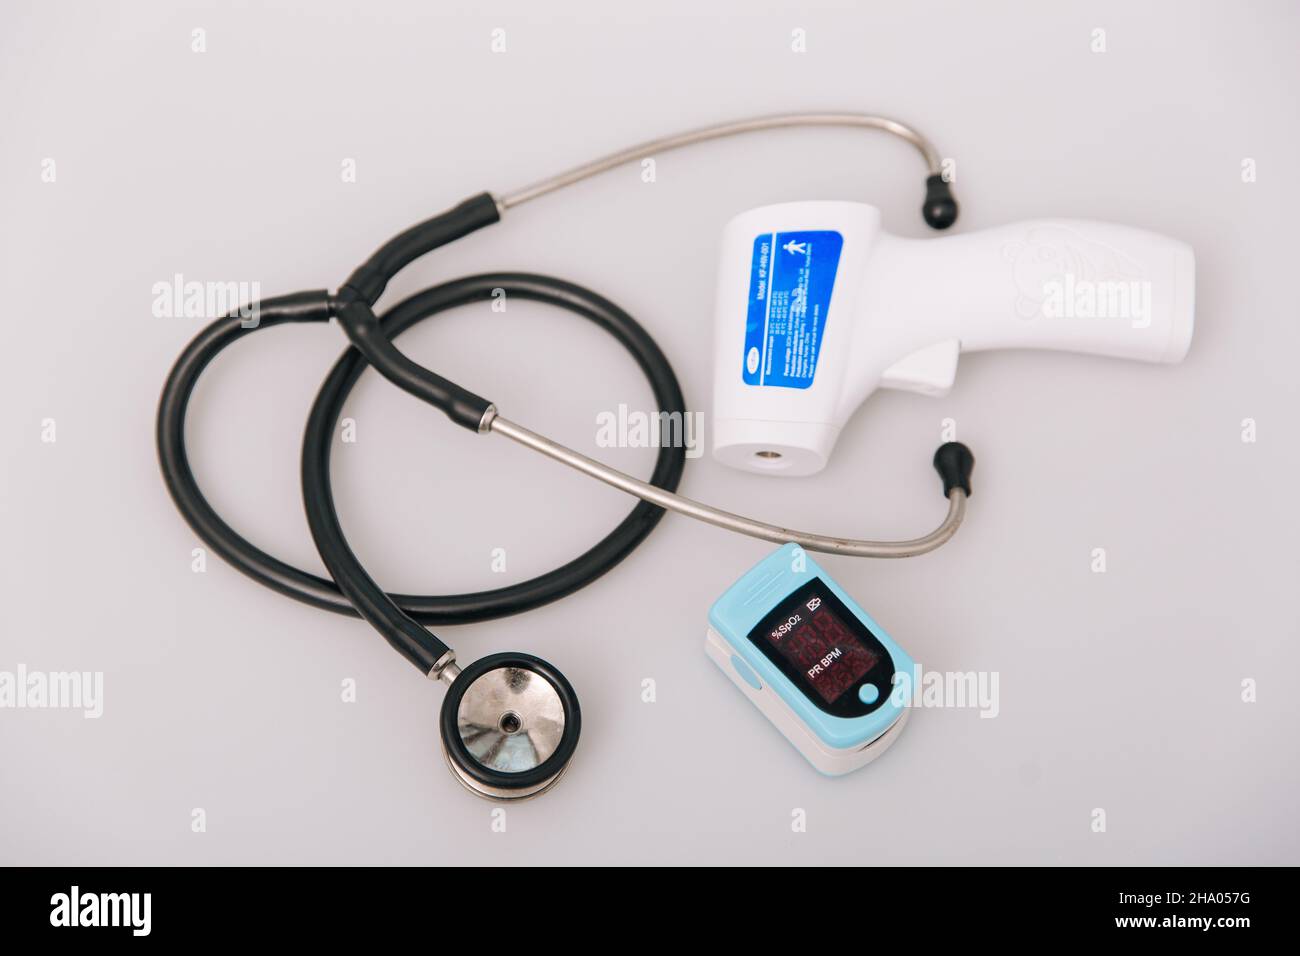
(399, 616)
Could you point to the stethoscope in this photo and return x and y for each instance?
(509, 722)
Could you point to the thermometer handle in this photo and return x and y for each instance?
(1071, 285)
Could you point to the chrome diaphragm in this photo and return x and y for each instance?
(510, 724)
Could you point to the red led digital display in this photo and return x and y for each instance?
(815, 640)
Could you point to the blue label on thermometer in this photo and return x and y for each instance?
(790, 281)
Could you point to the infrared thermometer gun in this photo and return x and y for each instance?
(818, 307)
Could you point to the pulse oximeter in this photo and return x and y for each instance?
(811, 660)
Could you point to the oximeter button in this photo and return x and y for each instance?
(747, 675)
(868, 693)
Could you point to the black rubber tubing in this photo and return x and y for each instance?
(375, 606)
(362, 327)
(372, 276)
(398, 616)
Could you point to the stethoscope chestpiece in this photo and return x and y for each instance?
(510, 723)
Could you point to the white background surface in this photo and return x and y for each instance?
(1119, 691)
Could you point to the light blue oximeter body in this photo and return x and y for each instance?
(811, 659)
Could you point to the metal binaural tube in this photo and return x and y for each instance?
(826, 544)
(719, 131)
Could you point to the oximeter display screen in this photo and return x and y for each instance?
(820, 644)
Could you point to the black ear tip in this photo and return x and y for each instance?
(940, 209)
(954, 462)
(940, 215)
